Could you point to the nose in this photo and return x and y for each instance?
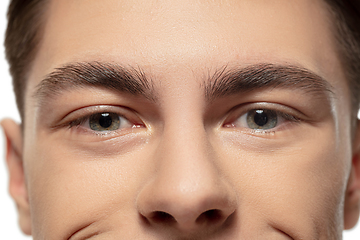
(187, 191)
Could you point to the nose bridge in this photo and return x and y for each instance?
(186, 170)
(184, 149)
(186, 143)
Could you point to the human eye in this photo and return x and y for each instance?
(102, 120)
(262, 118)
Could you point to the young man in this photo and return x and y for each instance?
(184, 119)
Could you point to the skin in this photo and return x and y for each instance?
(186, 155)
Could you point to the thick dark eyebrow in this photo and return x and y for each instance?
(95, 74)
(225, 82)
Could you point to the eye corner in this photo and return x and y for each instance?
(228, 124)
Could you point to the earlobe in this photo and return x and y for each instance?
(352, 197)
(17, 186)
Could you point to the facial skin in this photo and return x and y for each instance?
(184, 162)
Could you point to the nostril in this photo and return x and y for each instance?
(162, 217)
(210, 216)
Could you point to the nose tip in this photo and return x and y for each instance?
(187, 211)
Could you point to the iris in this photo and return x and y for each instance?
(104, 121)
(262, 119)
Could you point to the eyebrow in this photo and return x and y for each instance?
(225, 82)
(95, 74)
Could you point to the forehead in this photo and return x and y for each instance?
(175, 39)
(172, 32)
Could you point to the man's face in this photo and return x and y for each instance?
(187, 120)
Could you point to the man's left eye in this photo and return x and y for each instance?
(262, 119)
(106, 121)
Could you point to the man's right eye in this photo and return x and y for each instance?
(103, 119)
(106, 122)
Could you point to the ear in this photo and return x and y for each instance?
(17, 186)
(352, 196)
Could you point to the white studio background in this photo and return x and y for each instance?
(9, 229)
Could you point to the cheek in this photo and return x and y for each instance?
(299, 184)
(69, 187)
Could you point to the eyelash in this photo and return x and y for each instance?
(241, 112)
(80, 118)
(287, 114)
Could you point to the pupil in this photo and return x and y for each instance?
(105, 120)
(260, 118)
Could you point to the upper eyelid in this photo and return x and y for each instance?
(84, 113)
(239, 110)
(280, 108)
(85, 118)
(103, 108)
(94, 109)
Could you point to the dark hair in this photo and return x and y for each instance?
(346, 15)
(26, 19)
